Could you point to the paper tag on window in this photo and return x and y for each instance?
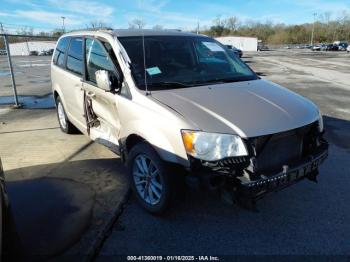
(153, 71)
(213, 47)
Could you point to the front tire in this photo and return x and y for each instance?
(65, 125)
(150, 178)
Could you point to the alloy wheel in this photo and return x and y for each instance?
(61, 115)
(147, 179)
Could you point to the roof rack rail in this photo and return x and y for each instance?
(93, 29)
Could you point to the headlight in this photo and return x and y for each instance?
(320, 122)
(212, 147)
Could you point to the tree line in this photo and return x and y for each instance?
(326, 30)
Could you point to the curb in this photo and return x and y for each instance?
(96, 246)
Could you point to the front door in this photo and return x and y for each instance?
(101, 107)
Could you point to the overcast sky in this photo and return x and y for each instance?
(184, 14)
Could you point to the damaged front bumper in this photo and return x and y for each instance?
(246, 186)
(289, 175)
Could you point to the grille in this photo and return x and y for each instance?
(274, 151)
(232, 161)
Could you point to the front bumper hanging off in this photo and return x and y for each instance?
(234, 176)
(306, 168)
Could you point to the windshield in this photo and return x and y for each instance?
(173, 61)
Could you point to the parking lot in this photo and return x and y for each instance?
(32, 75)
(306, 219)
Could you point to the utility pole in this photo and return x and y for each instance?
(8, 53)
(198, 28)
(17, 105)
(63, 27)
(313, 30)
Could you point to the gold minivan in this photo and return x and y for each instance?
(176, 106)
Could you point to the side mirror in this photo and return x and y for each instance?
(106, 81)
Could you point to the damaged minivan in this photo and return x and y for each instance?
(179, 106)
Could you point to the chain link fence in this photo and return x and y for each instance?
(25, 68)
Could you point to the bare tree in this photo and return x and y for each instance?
(137, 24)
(218, 21)
(218, 29)
(232, 23)
(25, 31)
(56, 32)
(96, 25)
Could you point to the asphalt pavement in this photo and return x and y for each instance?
(32, 76)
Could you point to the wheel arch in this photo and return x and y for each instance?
(168, 154)
(55, 95)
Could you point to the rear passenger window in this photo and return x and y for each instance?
(58, 58)
(75, 56)
(96, 59)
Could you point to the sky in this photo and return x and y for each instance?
(45, 15)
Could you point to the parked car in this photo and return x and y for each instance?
(263, 47)
(343, 46)
(316, 48)
(320, 47)
(46, 52)
(184, 107)
(324, 47)
(332, 47)
(235, 50)
(33, 53)
(348, 49)
(3, 52)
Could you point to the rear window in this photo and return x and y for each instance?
(60, 51)
(75, 56)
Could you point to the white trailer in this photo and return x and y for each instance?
(243, 43)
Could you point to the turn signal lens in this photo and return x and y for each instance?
(188, 138)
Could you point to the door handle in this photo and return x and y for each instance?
(91, 94)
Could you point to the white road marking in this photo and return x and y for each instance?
(30, 65)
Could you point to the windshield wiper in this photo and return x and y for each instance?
(224, 80)
(169, 84)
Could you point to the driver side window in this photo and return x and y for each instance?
(96, 59)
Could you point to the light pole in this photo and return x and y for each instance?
(63, 27)
(313, 30)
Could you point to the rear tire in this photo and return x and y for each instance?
(65, 125)
(150, 177)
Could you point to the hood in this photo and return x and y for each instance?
(249, 109)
